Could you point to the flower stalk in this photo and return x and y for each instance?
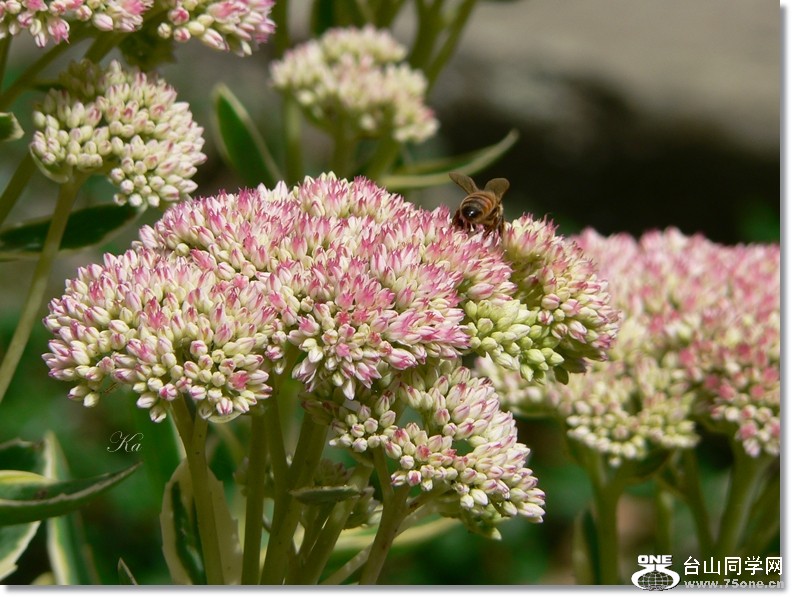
(38, 286)
(254, 511)
(744, 483)
(193, 431)
(693, 496)
(418, 509)
(393, 513)
(311, 441)
(24, 171)
(322, 549)
(607, 491)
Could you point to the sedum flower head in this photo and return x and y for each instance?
(700, 343)
(122, 123)
(369, 301)
(355, 77)
(447, 434)
(47, 21)
(238, 26)
(559, 314)
(166, 329)
(229, 25)
(350, 285)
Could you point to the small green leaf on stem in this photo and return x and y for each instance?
(325, 495)
(25, 496)
(240, 142)
(125, 576)
(10, 130)
(85, 227)
(68, 550)
(14, 539)
(435, 172)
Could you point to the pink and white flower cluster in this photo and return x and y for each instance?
(355, 282)
(355, 78)
(366, 299)
(238, 26)
(50, 20)
(166, 329)
(229, 25)
(124, 123)
(700, 343)
(458, 443)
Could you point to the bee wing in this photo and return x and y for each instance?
(498, 186)
(464, 182)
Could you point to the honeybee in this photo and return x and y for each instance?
(481, 207)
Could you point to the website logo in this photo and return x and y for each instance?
(655, 574)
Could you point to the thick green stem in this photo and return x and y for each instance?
(454, 32)
(25, 80)
(5, 46)
(38, 286)
(386, 153)
(287, 509)
(193, 435)
(605, 502)
(280, 15)
(16, 185)
(313, 529)
(607, 491)
(280, 539)
(664, 519)
(430, 25)
(419, 511)
(102, 45)
(387, 11)
(343, 150)
(745, 476)
(254, 512)
(392, 516)
(323, 548)
(691, 490)
(292, 140)
(381, 468)
(767, 520)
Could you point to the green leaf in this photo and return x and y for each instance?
(14, 539)
(181, 541)
(358, 538)
(435, 172)
(86, 227)
(67, 547)
(240, 141)
(325, 495)
(9, 127)
(26, 497)
(21, 455)
(125, 576)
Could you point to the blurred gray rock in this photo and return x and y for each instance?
(712, 61)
